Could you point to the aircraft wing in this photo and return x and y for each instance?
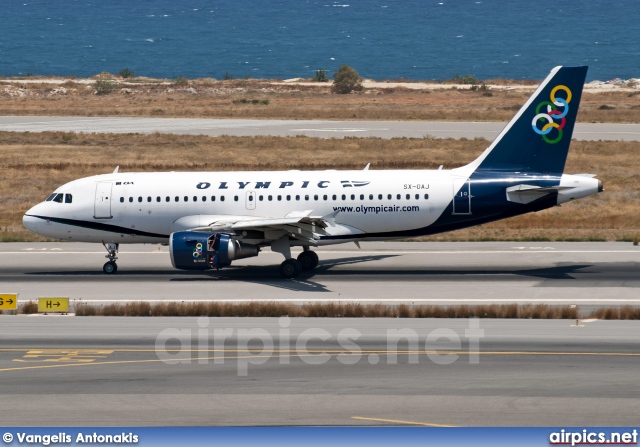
(301, 225)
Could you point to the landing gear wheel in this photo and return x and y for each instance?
(112, 249)
(308, 260)
(110, 268)
(290, 269)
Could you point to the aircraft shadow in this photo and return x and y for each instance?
(575, 275)
(311, 281)
(265, 275)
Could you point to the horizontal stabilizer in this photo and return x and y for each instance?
(528, 193)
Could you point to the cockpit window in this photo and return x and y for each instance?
(50, 198)
(68, 198)
(58, 198)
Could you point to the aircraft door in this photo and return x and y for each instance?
(102, 204)
(250, 201)
(462, 196)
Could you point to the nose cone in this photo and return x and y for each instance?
(30, 223)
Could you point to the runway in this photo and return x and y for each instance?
(584, 274)
(287, 128)
(110, 371)
(66, 370)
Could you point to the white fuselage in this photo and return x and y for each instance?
(373, 205)
(153, 205)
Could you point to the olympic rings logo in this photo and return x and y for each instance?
(197, 252)
(552, 114)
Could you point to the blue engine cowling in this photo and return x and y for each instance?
(193, 250)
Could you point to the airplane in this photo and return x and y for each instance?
(210, 219)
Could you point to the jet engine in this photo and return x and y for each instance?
(193, 250)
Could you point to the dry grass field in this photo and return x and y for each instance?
(33, 165)
(266, 99)
(341, 310)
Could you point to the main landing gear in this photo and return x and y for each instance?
(110, 267)
(290, 268)
(307, 260)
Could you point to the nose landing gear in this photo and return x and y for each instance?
(110, 267)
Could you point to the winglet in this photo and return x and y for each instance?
(115, 171)
(366, 168)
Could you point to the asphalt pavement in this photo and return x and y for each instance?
(590, 274)
(311, 128)
(107, 371)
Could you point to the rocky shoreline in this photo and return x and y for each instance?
(23, 87)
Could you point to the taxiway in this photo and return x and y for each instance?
(111, 371)
(288, 128)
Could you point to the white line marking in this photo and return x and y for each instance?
(359, 252)
(336, 130)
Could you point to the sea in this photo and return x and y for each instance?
(283, 39)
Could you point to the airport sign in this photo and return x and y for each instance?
(51, 304)
(8, 301)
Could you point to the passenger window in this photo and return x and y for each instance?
(324, 197)
(222, 198)
(344, 197)
(121, 199)
(361, 196)
(288, 198)
(417, 196)
(250, 198)
(379, 196)
(130, 199)
(297, 197)
(353, 197)
(50, 198)
(68, 198)
(235, 198)
(270, 198)
(306, 198)
(186, 199)
(426, 197)
(167, 199)
(260, 198)
(279, 198)
(213, 198)
(140, 199)
(58, 198)
(315, 197)
(204, 198)
(158, 199)
(177, 199)
(398, 196)
(148, 198)
(370, 196)
(335, 197)
(388, 196)
(195, 199)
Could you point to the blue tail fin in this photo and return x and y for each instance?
(537, 139)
